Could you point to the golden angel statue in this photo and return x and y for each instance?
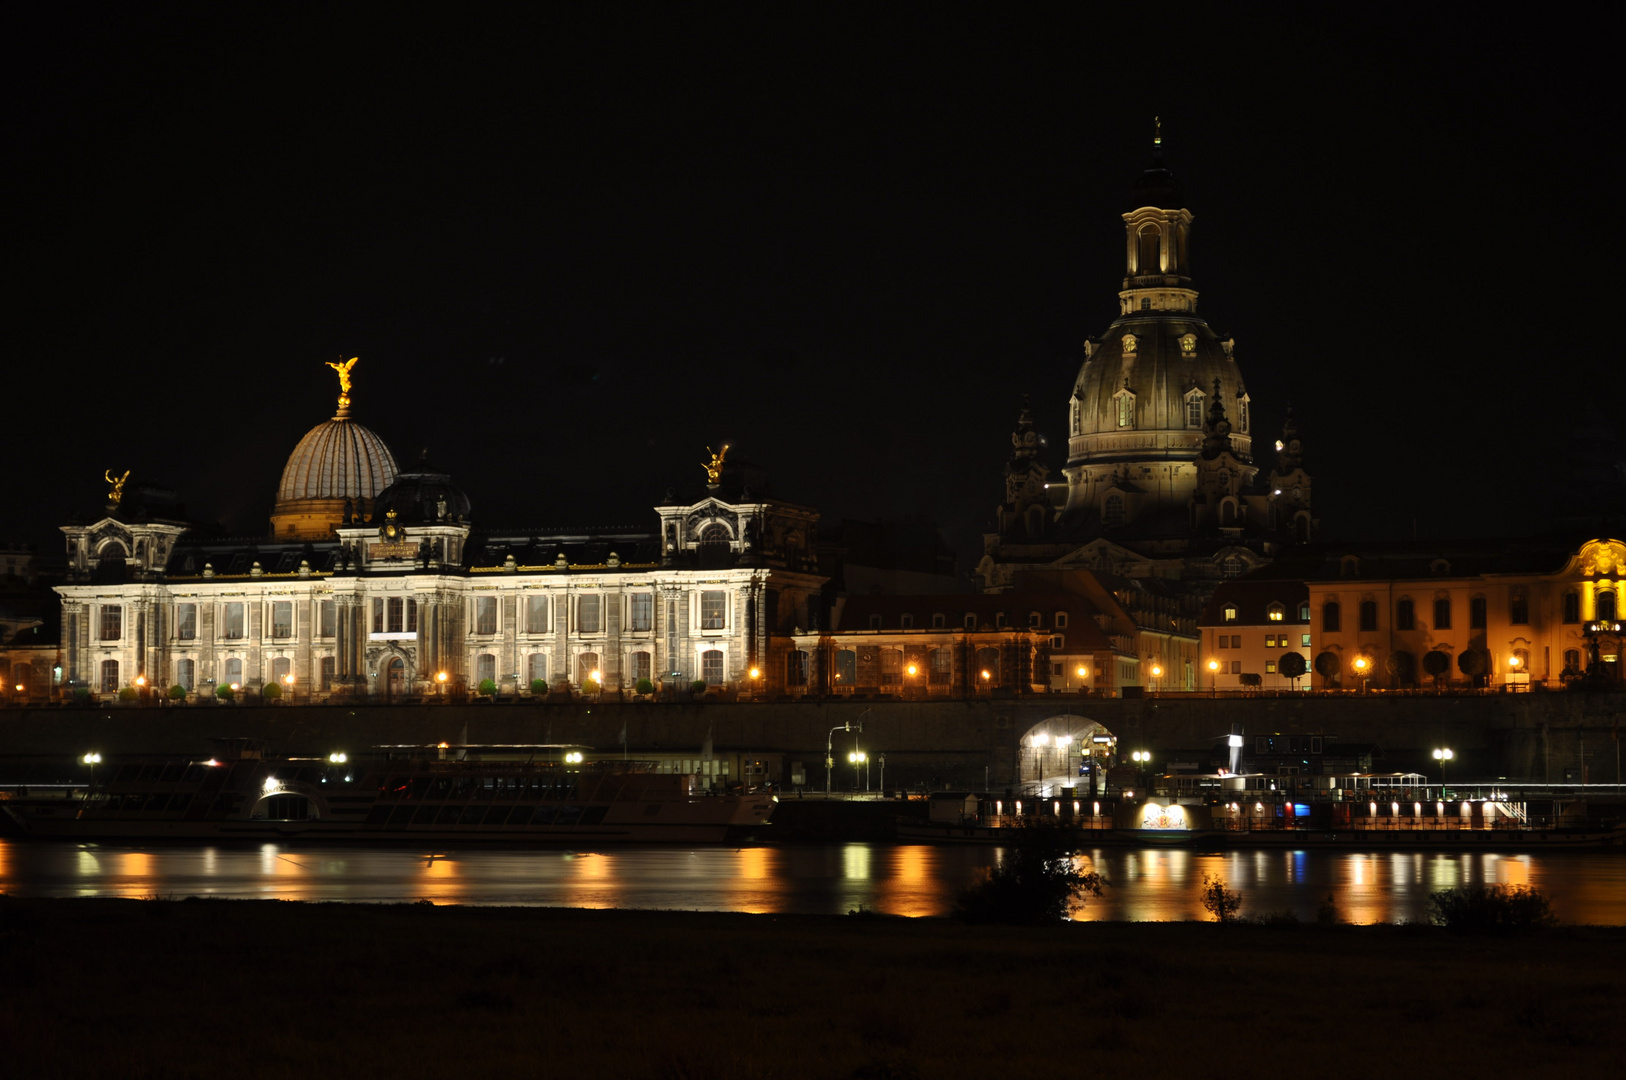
(344, 379)
(714, 468)
(117, 493)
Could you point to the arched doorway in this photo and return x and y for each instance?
(1066, 750)
(397, 677)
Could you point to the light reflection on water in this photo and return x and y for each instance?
(894, 879)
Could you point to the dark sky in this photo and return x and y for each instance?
(573, 248)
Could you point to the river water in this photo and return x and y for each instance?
(897, 879)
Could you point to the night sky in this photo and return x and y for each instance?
(574, 248)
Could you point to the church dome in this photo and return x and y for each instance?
(422, 496)
(338, 462)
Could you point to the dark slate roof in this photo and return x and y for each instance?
(1253, 598)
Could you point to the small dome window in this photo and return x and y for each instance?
(1188, 345)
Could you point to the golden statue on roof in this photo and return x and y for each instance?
(344, 379)
(117, 493)
(714, 468)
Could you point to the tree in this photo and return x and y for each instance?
(1220, 902)
(271, 691)
(645, 686)
(487, 687)
(1436, 663)
(1326, 665)
(1402, 667)
(1293, 666)
(1034, 884)
(1471, 662)
(539, 686)
(127, 693)
(177, 692)
(224, 692)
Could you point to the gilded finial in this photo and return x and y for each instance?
(344, 380)
(1157, 131)
(714, 468)
(117, 494)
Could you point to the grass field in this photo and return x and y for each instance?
(198, 988)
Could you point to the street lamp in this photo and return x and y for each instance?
(1083, 673)
(288, 686)
(857, 758)
(1213, 672)
(1361, 664)
(1442, 755)
(1157, 673)
(829, 751)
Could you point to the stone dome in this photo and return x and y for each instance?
(337, 462)
(1145, 391)
(422, 496)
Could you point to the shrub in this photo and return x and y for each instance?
(127, 693)
(1278, 920)
(1219, 901)
(177, 692)
(1250, 679)
(1033, 885)
(1490, 908)
(698, 686)
(487, 687)
(225, 692)
(645, 686)
(271, 691)
(539, 686)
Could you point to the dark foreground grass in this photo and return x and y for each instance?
(201, 988)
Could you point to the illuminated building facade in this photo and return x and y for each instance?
(375, 583)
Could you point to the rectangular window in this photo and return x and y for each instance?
(1270, 667)
(412, 616)
(112, 627)
(713, 609)
(537, 610)
(1236, 667)
(1369, 614)
(907, 622)
(282, 618)
(186, 622)
(329, 665)
(485, 614)
(642, 615)
(1476, 613)
(110, 676)
(1518, 609)
(970, 621)
(846, 668)
(942, 667)
(232, 626)
(378, 614)
(938, 622)
(395, 607)
(325, 616)
(1304, 641)
(590, 614)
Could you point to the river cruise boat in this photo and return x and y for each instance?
(1365, 810)
(553, 794)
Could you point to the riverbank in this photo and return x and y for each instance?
(274, 989)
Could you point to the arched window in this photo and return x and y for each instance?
(714, 548)
(280, 667)
(640, 665)
(1331, 617)
(587, 666)
(485, 667)
(796, 668)
(987, 673)
(891, 667)
(110, 676)
(846, 668)
(536, 667)
(1304, 611)
(1232, 566)
(1227, 512)
(940, 663)
(1442, 613)
(1518, 609)
(1123, 404)
(1112, 511)
(1604, 604)
(711, 667)
(1242, 409)
(186, 673)
(1151, 255)
(1572, 661)
(1369, 614)
(1572, 607)
(234, 671)
(1405, 615)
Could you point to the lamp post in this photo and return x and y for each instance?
(829, 748)
(755, 675)
(440, 684)
(857, 758)
(1157, 674)
(1083, 673)
(1213, 677)
(1443, 755)
(288, 687)
(909, 673)
(1361, 664)
(882, 759)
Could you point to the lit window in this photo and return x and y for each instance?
(1277, 613)
(1230, 613)
(643, 612)
(713, 609)
(1194, 411)
(1270, 667)
(112, 627)
(1126, 409)
(711, 667)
